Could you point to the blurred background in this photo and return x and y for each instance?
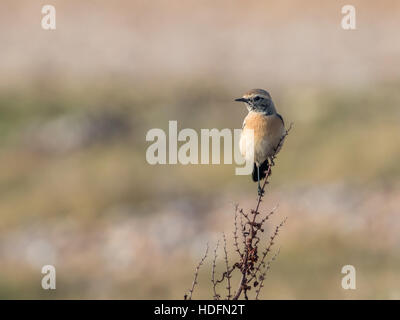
(76, 103)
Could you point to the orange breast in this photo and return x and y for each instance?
(268, 131)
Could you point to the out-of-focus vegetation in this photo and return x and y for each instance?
(76, 190)
(76, 104)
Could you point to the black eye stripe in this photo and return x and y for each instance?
(256, 98)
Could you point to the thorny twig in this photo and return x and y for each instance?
(228, 275)
(196, 274)
(267, 250)
(262, 277)
(214, 282)
(235, 236)
(250, 253)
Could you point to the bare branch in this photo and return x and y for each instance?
(267, 250)
(214, 282)
(196, 273)
(235, 232)
(228, 276)
(262, 277)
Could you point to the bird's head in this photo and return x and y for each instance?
(258, 100)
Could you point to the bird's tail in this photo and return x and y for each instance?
(263, 169)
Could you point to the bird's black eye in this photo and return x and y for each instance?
(257, 98)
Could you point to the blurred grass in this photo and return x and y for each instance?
(339, 136)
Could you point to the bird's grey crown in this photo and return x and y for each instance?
(258, 100)
(258, 92)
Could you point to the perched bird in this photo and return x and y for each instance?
(268, 128)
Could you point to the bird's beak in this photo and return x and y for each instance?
(241, 100)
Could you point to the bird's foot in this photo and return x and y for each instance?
(272, 162)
